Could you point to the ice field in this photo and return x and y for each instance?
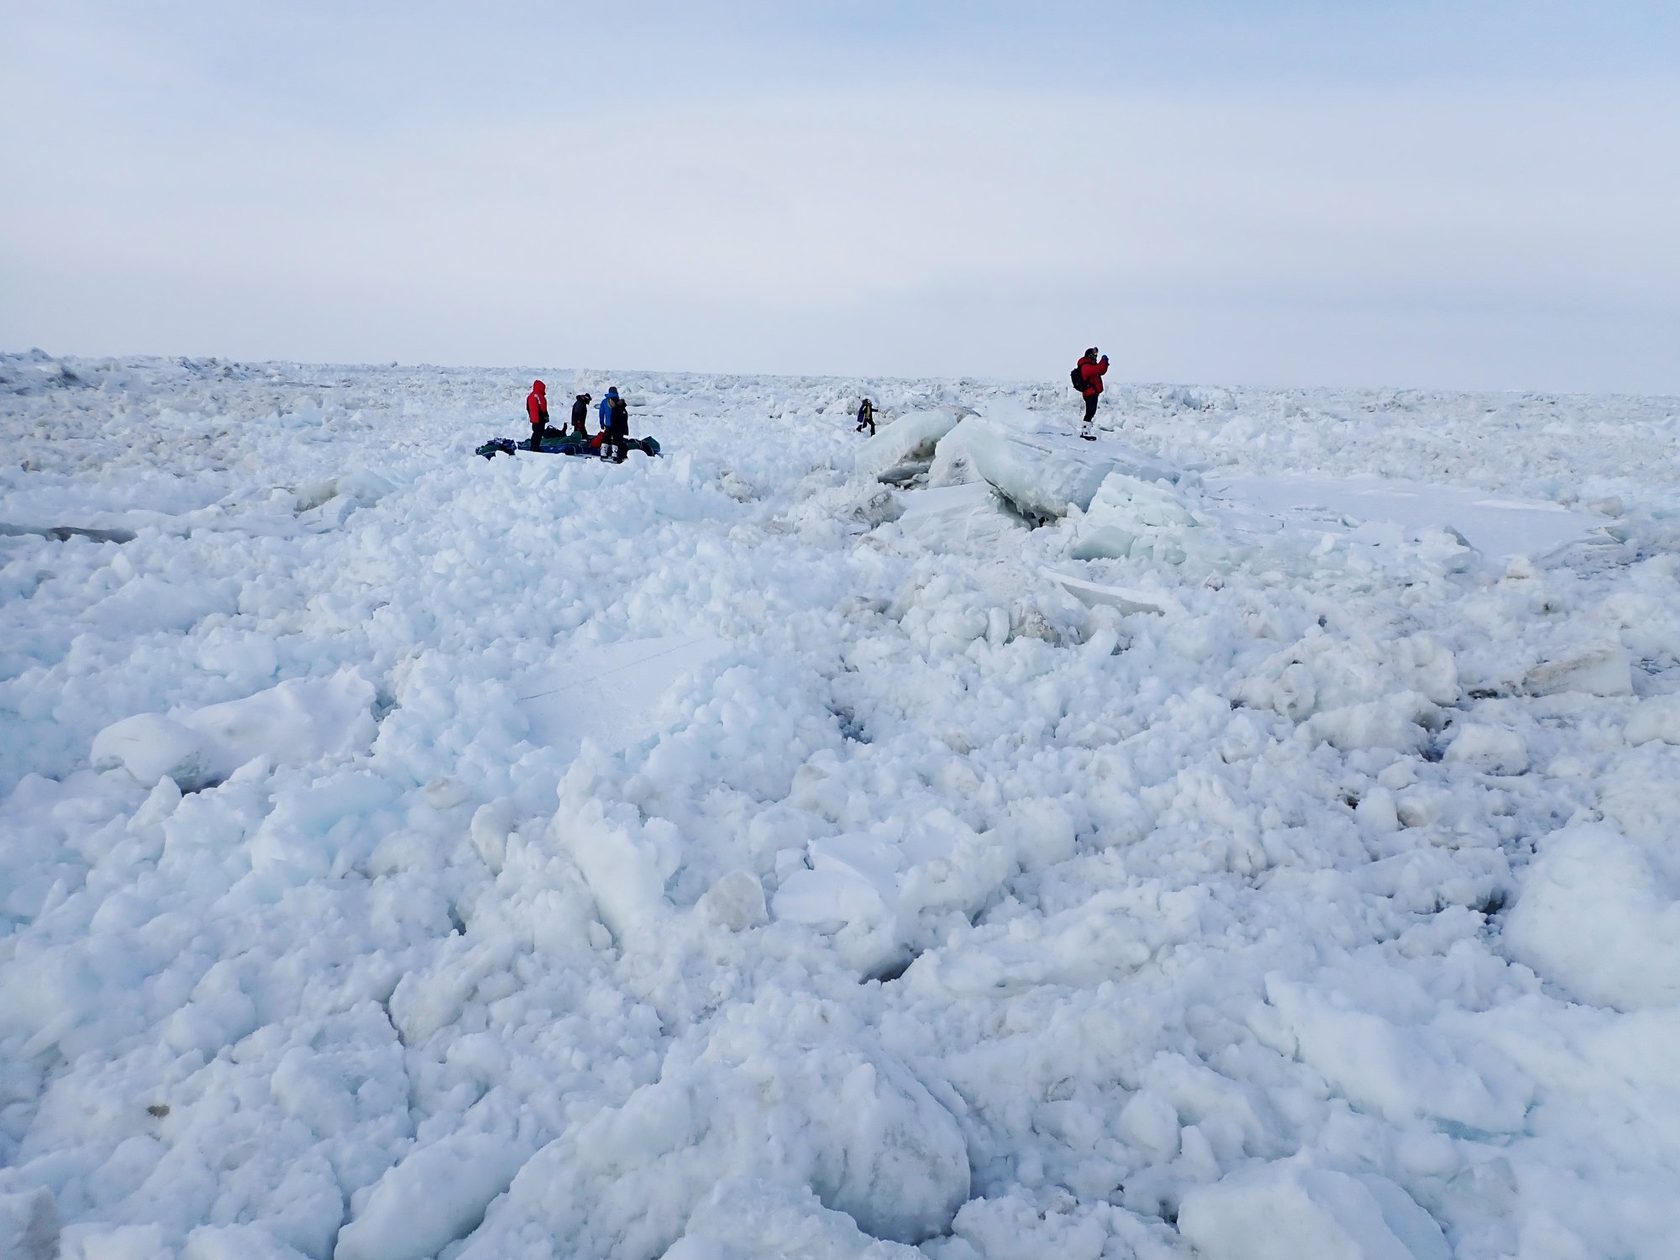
(1254, 834)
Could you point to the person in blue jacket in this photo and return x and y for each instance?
(604, 411)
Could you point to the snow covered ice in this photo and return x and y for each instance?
(1250, 834)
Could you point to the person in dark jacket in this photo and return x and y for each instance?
(615, 434)
(1090, 370)
(536, 407)
(580, 416)
(866, 417)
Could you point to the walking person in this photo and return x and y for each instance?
(866, 417)
(536, 408)
(1087, 379)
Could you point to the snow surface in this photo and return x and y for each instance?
(1362, 506)
(783, 847)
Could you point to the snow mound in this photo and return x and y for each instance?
(735, 902)
(1599, 915)
(297, 722)
(435, 1196)
(753, 1220)
(1403, 1070)
(237, 1242)
(608, 692)
(1288, 1210)
(1321, 674)
(29, 1225)
(624, 861)
(1491, 749)
(880, 895)
(841, 1120)
(1657, 719)
(359, 488)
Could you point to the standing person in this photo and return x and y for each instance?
(615, 427)
(580, 415)
(1087, 379)
(604, 412)
(866, 417)
(536, 407)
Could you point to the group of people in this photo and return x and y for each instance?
(1087, 378)
(614, 437)
(613, 440)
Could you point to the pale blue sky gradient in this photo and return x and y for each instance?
(1429, 194)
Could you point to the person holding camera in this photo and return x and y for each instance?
(1087, 379)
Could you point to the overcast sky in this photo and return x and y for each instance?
(1478, 195)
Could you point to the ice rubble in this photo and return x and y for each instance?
(298, 721)
(838, 1117)
(738, 856)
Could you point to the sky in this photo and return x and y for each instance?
(1431, 194)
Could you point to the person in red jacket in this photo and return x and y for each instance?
(1088, 376)
(536, 407)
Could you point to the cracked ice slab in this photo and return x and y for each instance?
(1043, 475)
(901, 447)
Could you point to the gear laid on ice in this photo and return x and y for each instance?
(569, 443)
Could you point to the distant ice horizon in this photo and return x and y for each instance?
(518, 371)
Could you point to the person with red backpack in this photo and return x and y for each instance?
(1087, 379)
(536, 407)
